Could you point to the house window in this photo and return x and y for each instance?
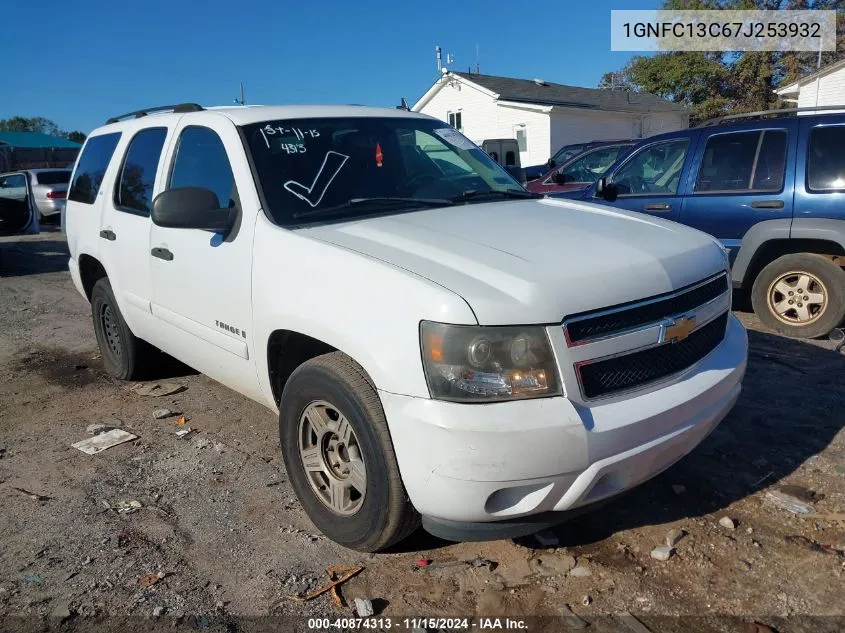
(521, 134)
(455, 120)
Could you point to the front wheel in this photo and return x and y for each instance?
(800, 295)
(339, 456)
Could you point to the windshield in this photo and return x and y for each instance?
(346, 167)
(566, 152)
(53, 177)
(588, 167)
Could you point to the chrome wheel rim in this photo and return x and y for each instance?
(331, 458)
(797, 298)
(110, 329)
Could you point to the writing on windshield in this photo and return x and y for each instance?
(306, 165)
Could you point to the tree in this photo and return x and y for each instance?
(618, 81)
(40, 125)
(76, 136)
(34, 124)
(715, 84)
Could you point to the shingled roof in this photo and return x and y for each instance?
(547, 93)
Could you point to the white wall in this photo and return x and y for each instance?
(831, 90)
(483, 118)
(575, 125)
(478, 110)
(536, 125)
(662, 122)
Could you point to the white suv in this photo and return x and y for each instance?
(440, 344)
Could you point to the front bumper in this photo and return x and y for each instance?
(503, 462)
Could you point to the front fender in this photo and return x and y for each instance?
(366, 308)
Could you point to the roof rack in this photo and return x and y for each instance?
(181, 107)
(762, 114)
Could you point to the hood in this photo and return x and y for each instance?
(534, 261)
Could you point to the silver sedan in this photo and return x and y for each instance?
(49, 189)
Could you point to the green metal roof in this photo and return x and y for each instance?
(36, 139)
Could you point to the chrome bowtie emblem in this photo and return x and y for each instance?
(676, 330)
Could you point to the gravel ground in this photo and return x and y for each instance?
(223, 543)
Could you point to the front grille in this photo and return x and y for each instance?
(621, 373)
(656, 309)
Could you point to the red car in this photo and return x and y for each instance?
(580, 171)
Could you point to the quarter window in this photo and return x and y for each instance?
(743, 162)
(201, 161)
(134, 191)
(654, 170)
(826, 160)
(91, 167)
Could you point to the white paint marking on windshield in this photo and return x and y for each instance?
(313, 195)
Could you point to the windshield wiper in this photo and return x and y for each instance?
(391, 201)
(472, 194)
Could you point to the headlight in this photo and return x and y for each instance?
(484, 364)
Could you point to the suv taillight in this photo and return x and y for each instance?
(56, 195)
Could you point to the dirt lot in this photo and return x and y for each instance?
(221, 523)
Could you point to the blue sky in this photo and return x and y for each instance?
(79, 62)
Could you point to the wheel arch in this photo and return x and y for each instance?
(91, 270)
(286, 350)
(767, 241)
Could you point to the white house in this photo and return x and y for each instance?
(544, 116)
(825, 87)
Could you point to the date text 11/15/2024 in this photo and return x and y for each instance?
(411, 624)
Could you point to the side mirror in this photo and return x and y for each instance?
(192, 208)
(551, 163)
(559, 178)
(606, 190)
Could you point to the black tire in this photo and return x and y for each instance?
(122, 351)
(822, 321)
(385, 515)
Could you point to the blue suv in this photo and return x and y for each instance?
(771, 187)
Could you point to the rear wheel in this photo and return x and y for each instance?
(121, 350)
(339, 456)
(801, 295)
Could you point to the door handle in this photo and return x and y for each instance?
(162, 253)
(658, 207)
(767, 204)
(108, 235)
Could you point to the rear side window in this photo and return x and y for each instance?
(826, 160)
(201, 161)
(743, 162)
(134, 190)
(91, 167)
(53, 177)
